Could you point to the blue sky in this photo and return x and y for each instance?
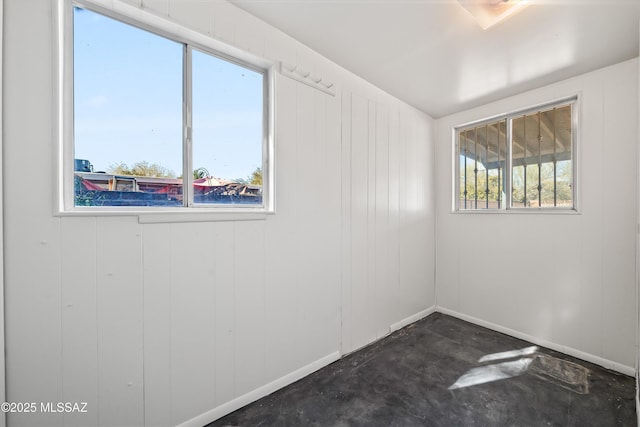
(128, 102)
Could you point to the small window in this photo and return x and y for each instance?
(524, 160)
(161, 121)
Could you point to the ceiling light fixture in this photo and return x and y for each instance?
(489, 12)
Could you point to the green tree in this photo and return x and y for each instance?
(142, 168)
(479, 188)
(256, 177)
(562, 187)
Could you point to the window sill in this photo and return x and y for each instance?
(519, 211)
(160, 218)
(175, 215)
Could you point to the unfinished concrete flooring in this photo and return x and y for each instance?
(442, 371)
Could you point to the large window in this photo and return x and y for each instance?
(159, 120)
(524, 160)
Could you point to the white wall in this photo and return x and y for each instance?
(2, 347)
(567, 281)
(156, 324)
(637, 365)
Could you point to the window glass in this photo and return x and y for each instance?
(127, 114)
(482, 159)
(536, 158)
(157, 122)
(542, 160)
(227, 131)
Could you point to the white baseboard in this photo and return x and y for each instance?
(252, 396)
(614, 366)
(638, 397)
(414, 318)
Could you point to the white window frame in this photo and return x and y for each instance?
(64, 126)
(507, 208)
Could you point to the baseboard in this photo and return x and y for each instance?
(252, 396)
(260, 392)
(411, 319)
(638, 397)
(614, 366)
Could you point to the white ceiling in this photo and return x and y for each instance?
(433, 55)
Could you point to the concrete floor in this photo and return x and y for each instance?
(442, 371)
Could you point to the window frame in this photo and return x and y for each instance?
(190, 39)
(507, 207)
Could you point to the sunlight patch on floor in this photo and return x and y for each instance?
(549, 368)
(489, 373)
(509, 354)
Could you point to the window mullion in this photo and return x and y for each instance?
(459, 182)
(187, 129)
(466, 140)
(574, 162)
(486, 169)
(555, 162)
(539, 163)
(500, 171)
(475, 166)
(508, 170)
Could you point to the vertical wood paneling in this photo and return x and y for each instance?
(78, 297)
(306, 212)
(564, 279)
(331, 181)
(426, 208)
(250, 342)
(324, 295)
(196, 14)
(420, 239)
(424, 219)
(193, 269)
(280, 47)
(34, 353)
(405, 230)
(201, 330)
(394, 214)
(424, 173)
(223, 242)
(591, 164)
(33, 316)
(318, 294)
(535, 315)
(620, 106)
(375, 324)
(120, 331)
(224, 25)
(3, 377)
(280, 272)
(382, 280)
(251, 34)
(361, 295)
(390, 241)
(157, 325)
(568, 304)
(347, 344)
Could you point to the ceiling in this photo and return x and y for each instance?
(434, 56)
